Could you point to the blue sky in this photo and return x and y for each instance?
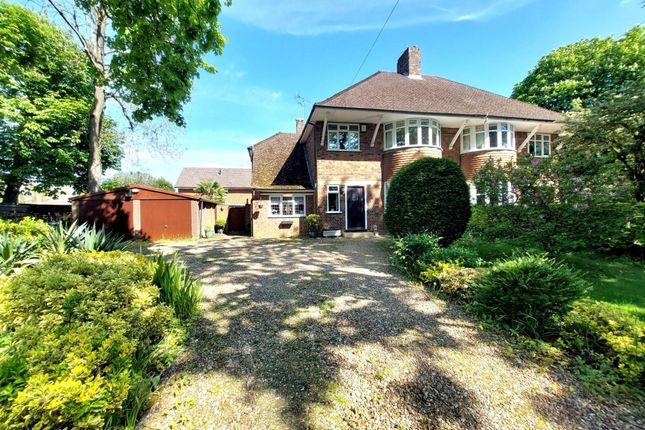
(281, 48)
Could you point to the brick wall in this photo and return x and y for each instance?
(264, 226)
(394, 160)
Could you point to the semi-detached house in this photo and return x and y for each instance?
(340, 161)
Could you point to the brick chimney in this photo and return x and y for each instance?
(300, 124)
(409, 63)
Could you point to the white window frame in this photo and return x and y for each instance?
(386, 187)
(287, 197)
(432, 125)
(543, 140)
(345, 127)
(486, 129)
(337, 198)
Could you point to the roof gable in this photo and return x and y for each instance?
(389, 91)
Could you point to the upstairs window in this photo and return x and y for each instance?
(540, 145)
(343, 137)
(333, 198)
(500, 135)
(287, 206)
(412, 132)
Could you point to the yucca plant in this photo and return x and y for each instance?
(178, 288)
(63, 239)
(99, 239)
(14, 251)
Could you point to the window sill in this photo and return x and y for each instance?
(343, 150)
(413, 147)
(286, 216)
(333, 212)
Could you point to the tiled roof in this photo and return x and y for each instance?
(390, 91)
(226, 177)
(279, 162)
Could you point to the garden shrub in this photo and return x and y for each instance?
(607, 340)
(528, 293)
(28, 229)
(63, 239)
(14, 251)
(81, 331)
(452, 279)
(465, 257)
(177, 287)
(408, 250)
(430, 196)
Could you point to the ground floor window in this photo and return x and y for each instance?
(504, 195)
(287, 206)
(540, 145)
(333, 198)
(386, 186)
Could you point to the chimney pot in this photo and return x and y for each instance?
(409, 63)
(300, 125)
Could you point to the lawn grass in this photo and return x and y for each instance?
(616, 280)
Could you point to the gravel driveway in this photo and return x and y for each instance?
(322, 334)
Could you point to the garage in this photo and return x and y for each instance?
(147, 213)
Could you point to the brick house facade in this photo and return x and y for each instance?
(343, 157)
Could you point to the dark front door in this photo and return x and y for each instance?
(356, 208)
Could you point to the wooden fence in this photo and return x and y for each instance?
(44, 212)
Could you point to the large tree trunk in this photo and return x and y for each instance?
(96, 120)
(11, 193)
(94, 169)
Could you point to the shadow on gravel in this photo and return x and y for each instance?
(277, 321)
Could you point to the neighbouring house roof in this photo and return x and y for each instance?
(141, 187)
(229, 178)
(389, 91)
(280, 163)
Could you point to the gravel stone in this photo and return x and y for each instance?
(323, 334)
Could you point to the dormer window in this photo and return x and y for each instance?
(412, 132)
(495, 135)
(343, 137)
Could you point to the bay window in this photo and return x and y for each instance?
(499, 135)
(540, 145)
(333, 198)
(412, 132)
(287, 206)
(343, 137)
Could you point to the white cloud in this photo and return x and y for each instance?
(315, 17)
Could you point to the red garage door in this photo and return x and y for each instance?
(165, 219)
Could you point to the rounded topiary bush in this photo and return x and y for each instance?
(528, 294)
(431, 196)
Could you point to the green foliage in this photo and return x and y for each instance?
(27, 228)
(211, 190)
(220, 223)
(452, 279)
(81, 331)
(178, 288)
(313, 222)
(528, 294)
(62, 239)
(611, 132)
(408, 250)
(415, 253)
(430, 196)
(45, 97)
(14, 251)
(608, 341)
(584, 71)
(569, 201)
(123, 179)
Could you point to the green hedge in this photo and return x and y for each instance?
(430, 196)
(82, 334)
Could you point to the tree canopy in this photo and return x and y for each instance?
(145, 56)
(45, 97)
(584, 71)
(211, 190)
(123, 179)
